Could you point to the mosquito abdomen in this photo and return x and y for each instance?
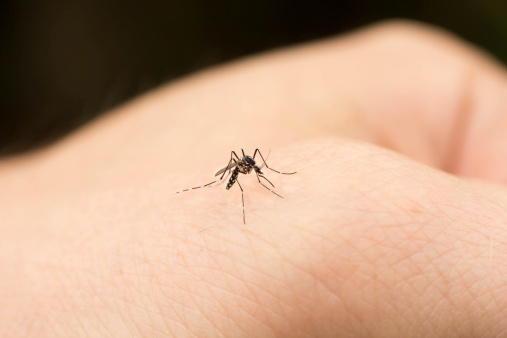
(234, 176)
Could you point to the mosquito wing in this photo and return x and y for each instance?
(223, 179)
(230, 166)
(263, 162)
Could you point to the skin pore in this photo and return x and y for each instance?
(394, 224)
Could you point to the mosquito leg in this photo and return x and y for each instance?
(264, 177)
(228, 166)
(234, 153)
(202, 186)
(243, 200)
(222, 180)
(221, 177)
(276, 171)
(265, 186)
(205, 185)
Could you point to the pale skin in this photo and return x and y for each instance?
(394, 224)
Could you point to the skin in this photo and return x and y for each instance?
(394, 225)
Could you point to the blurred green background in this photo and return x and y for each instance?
(65, 62)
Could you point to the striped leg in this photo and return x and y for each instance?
(201, 186)
(223, 179)
(265, 186)
(219, 180)
(243, 200)
(206, 185)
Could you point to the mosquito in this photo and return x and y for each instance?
(243, 165)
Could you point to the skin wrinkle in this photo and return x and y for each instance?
(223, 289)
(307, 297)
(442, 230)
(238, 304)
(136, 287)
(155, 304)
(465, 218)
(472, 242)
(475, 307)
(127, 312)
(154, 313)
(434, 311)
(278, 251)
(259, 320)
(196, 298)
(225, 315)
(400, 256)
(467, 297)
(76, 311)
(351, 314)
(408, 318)
(222, 271)
(65, 305)
(405, 281)
(284, 307)
(491, 218)
(265, 290)
(139, 275)
(501, 326)
(238, 278)
(184, 321)
(408, 314)
(178, 308)
(192, 296)
(456, 297)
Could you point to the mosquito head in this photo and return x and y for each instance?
(248, 160)
(257, 169)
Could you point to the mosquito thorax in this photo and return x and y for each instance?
(248, 160)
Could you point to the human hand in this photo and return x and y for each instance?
(394, 224)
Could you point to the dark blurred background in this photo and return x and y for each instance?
(66, 62)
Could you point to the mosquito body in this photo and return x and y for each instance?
(244, 165)
(233, 179)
